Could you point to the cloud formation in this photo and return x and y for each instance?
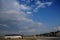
(12, 15)
(3, 25)
(35, 6)
(41, 5)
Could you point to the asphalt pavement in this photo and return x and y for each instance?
(48, 38)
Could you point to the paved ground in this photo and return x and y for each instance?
(49, 38)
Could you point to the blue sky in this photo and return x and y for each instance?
(29, 17)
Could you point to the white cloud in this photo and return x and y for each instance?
(29, 12)
(39, 24)
(48, 3)
(12, 11)
(24, 7)
(16, 3)
(38, 2)
(28, 1)
(41, 5)
(21, 6)
(25, 27)
(4, 25)
(32, 30)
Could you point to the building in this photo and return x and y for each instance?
(58, 33)
(51, 34)
(8, 36)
